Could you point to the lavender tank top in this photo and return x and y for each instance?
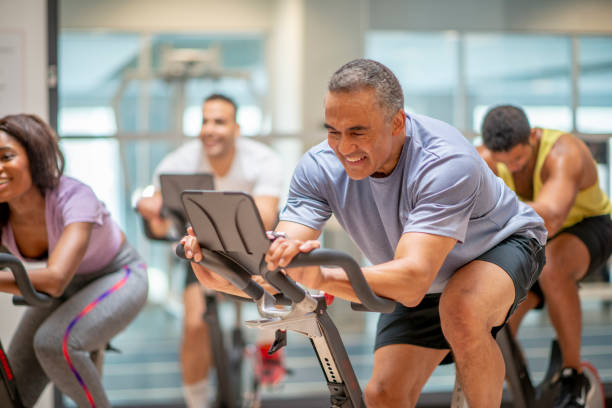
(73, 201)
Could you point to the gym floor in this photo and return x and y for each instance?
(147, 373)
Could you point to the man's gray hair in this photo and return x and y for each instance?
(365, 73)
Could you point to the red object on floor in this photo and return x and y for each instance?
(270, 368)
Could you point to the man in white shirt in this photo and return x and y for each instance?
(237, 164)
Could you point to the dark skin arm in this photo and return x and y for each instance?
(563, 173)
(206, 277)
(61, 265)
(214, 281)
(405, 279)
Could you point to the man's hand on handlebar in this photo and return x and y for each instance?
(281, 253)
(207, 277)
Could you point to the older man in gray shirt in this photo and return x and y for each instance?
(449, 242)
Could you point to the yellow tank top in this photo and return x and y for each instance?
(590, 202)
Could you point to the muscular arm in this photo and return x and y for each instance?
(405, 279)
(564, 167)
(298, 231)
(62, 264)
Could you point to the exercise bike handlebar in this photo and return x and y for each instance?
(29, 295)
(330, 257)
(239, 278)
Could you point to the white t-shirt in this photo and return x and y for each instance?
(256, 168)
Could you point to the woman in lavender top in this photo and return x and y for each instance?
(84, 261)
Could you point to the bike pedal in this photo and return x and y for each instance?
(111, 348)
(280, 341)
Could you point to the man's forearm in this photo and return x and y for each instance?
(552, 221)
(384, 282)
(160, 227)
(8, 284)
(336, 283)
(213, 281)
(221, 284)
(398, 281)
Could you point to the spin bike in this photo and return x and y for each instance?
(228, 361)
(233, 242)
(9, 394)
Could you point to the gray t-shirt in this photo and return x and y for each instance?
(440, 186)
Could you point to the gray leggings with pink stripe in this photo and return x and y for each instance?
(53, 343)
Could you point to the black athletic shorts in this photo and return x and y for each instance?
(521, 257)
(596, 234)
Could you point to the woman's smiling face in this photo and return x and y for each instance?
(15, 176)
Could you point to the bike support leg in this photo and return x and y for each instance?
(517, 375)
(342, 382)
(227, 395)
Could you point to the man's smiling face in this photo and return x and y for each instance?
(360, 133)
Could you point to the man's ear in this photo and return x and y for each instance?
(533, 136)
(398, 122)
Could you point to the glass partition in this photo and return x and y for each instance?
(426, 65)
(532, 71)
(594, 113)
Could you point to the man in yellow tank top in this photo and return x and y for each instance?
(554, 172)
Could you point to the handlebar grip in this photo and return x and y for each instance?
(253, 290)
(180, 252)
(233, 272)
(29, 295)
(329, 257)
(285, 285)
(20, 301)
